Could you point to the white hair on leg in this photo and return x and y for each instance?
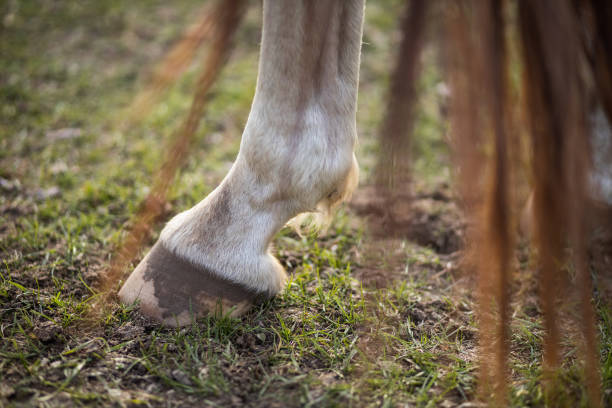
(296, 156)
(320, 219)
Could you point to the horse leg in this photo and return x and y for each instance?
(296, 155)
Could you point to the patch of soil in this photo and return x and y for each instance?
(430, 219)
(600, 257)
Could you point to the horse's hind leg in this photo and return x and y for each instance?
(296, 154)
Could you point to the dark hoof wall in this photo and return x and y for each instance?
(175, 291)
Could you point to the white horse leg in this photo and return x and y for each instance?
(296, 155)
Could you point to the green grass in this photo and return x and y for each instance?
(328, 340)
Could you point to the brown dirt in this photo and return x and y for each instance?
(430, 218)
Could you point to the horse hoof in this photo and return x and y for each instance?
(175, 291)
